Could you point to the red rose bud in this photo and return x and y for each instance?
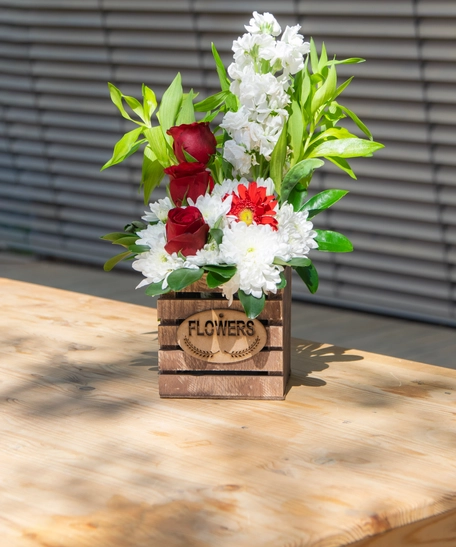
(196, 139)
(189, 180)
(186, 231)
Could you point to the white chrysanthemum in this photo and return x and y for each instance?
(212, 207)
(296, 231)
(253, 249)
(264, 23)
(209, 254)
(228, 186)
(152, 236)
(238, 157)
(156, 265)
(267, 183)
(159, 210)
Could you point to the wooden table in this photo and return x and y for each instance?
(91, 456)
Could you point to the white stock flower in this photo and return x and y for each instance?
(238, 157)
(264, 23)
(250, 49)
(242, 130)
(253, 249)
(159, 210)
(288, 52)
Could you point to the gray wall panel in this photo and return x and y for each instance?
(58, 126)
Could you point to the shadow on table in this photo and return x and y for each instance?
(308, 357)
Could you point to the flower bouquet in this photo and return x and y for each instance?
(239, 165)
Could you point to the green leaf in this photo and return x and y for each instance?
(323, 58)
(188, 157)
(224, 82)
(313, 56)
(294, 262)
(299, 262)
(283, 281)
(331, 133)
(116, 98)
(170, 104)
(310, 277)
(210, 116)
(158, 145)
(109, 264)
(216, 234)
(350, 61)
(149, 103)
(135, 226)
(154, 289)
(346, 148)
(212, 102)
(357, 121)
(278, 159)
(114, 236)
(342, 87)
(226, 271)
(342, 164)
(127, 240)
(183, 277)
(187, 111)
(306, 94)
(252, 306)
(325, 92)
(333, 242)
(301, 171)
(125, 147)
(322, 201)
(138, 248)
(215, 280)
(296, 131)
(135, 105)
(152, 174)
(299, 194)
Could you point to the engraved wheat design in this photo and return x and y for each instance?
(246, 351)
(198, 351)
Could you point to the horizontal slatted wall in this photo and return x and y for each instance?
(57, 127)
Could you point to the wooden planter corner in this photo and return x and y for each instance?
(261, 376)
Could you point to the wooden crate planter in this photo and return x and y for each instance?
(191, 370)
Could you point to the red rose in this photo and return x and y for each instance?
(196, 139)
(186, 231)
(189, 180)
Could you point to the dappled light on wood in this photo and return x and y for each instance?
(363, 443)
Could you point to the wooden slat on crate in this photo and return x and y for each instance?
(221, 387)
(167, 336)
(179, 308)
(177, 360)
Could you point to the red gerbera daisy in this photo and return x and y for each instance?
(253, 205)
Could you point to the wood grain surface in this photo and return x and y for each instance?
(91, 456)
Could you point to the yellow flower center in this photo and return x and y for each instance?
(246, 215)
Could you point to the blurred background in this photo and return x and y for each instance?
(58, 127)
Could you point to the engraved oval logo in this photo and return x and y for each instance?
(221, 336)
